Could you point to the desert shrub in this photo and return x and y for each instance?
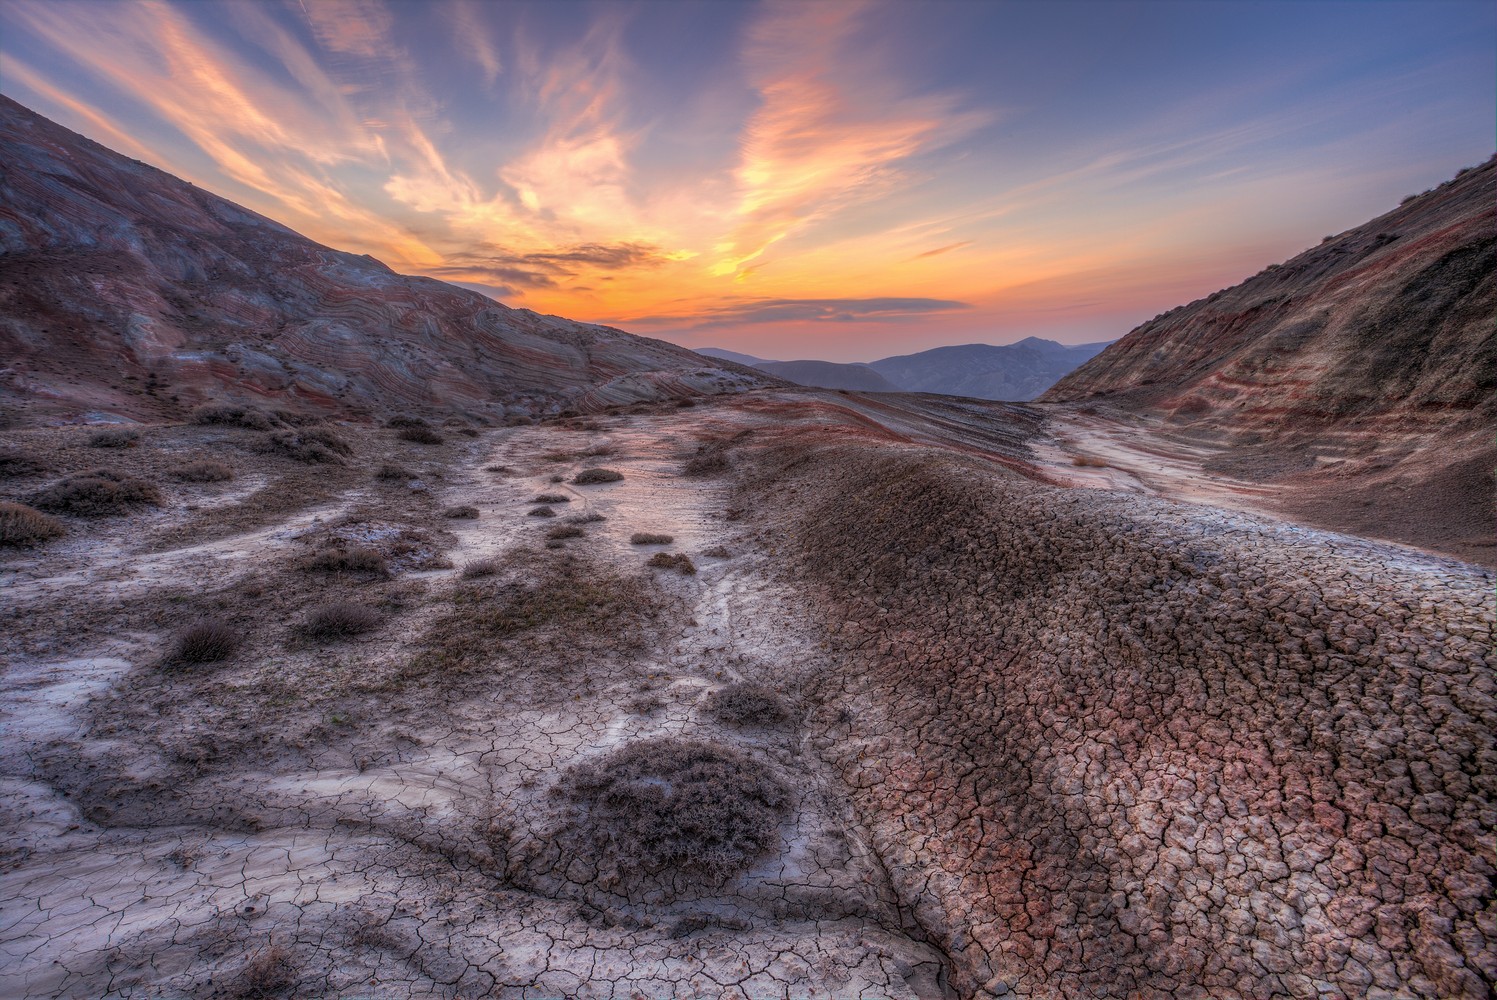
(206, 471)
(744, 704)
(649, 538)
(16, 464)
(542, 512)
(587, 476)
(389, 470)
(480, 568)
(591, 517)
(563, 531)
(499, 470)
(22, 526)
(557, 479)
(346, 559)
(711, 459)
(229, 415)
(463, 512)
(271, 973)
(114, 437)
(310, 444)
(680, 562)
(97, 494)
(339, 621)
(208, 641)
(551, 498)
(717, 552)
(1089, 462)
(420, 435)
(685, 404)
(405, 420)
(669, 805)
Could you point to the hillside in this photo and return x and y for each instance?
(829, 375)
(1360, 376)
(128, 293)
(1018, 371)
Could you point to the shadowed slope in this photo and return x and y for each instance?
(127, 290)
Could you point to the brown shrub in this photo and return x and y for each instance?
(718, 552)
(744, 704)
(542, 512)
(563, 531)
(589, 476)
(230, 415)
(114, 437)
(22, 526)
(680, 562)
(206, 471)
(1089, 461)
(16, 464)
(551, 498)
(650, 538)
(464, 512)
(309, 444)
(420, 435)
(346, 559)
(271, 973)
(389, 470)
(206, 642)
(480, 568)
(340, 621)
(591, 517)
(97, 494)
(404, 421)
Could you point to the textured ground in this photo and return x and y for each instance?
(1031, 741)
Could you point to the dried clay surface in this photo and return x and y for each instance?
(920, 724)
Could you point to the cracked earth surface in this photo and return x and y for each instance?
(1036, 741)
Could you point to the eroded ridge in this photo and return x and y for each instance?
(1112, 745)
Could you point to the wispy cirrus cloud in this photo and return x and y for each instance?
(543, 268)
(745, 310)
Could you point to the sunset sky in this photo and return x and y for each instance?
(805, 179)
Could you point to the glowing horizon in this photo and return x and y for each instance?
(839, 180)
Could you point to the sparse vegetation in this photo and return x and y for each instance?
(463, 512)
(552, 498)
(228, 415)
(114, 437)
(671, 805)
(591, 517)
(499, 470)
(271, 973)
(16, 464)
(479, 568)
(678, 561)
(310, 444)
(340, 621)
(718, 552)
(206, 471)
(22, 526)
(745, 704)
(650, 538)
(346, 559)
(208, 641)
(542, 512)
(405, 420)
(589, 476)
(420, 434)
(391, 471)
(97, 494)
(564, 531)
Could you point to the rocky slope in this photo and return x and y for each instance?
(829, 375)
(125, 291)
(1361, 375)
(1017, 371)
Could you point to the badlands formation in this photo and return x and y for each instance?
(422, 647)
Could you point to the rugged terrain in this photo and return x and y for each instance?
(1357, 381)
(129, 294)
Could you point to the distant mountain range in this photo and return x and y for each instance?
(983, 371)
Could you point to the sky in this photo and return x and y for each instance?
(806, 179)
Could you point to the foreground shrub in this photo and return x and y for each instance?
(744, 704)
(542, 512)
(310, 444)
(591, 517)
(420, 435)
(16, 464)
(22, 526)
(650, 538)
(206, 642)
(551, 498)
(339, 621)
(668, 805)
(346, 559)
(480, 568)
(404, 421)
(204, 472)
(97, 494)
(564, 531)
(589, 476)
(679, 562)
(114, 437)
(230, 415)
(465, 512)
(391, 471)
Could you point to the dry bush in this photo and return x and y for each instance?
(340, 621)
(420, 435)
(389, 470)
(680, 562)
(16, 464)
(114, 437)
(97, 494)
(346, 559)
(588, 476)
(542, 512)
(591, 517)
(717, 552)
(551, 498)
(557, 479)
(271, 973)
(22, 526)
(1089, 462)
(208, 641)
(206, 471)
(406, 420)
(310, 444)
(463, 512)
(685, 404)
(563, 531)
(479, 568)
(670, 805)
(598, 451)
(229, 415)
(500, 470)
(650, 538)
(744, 704)
(711, 459)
